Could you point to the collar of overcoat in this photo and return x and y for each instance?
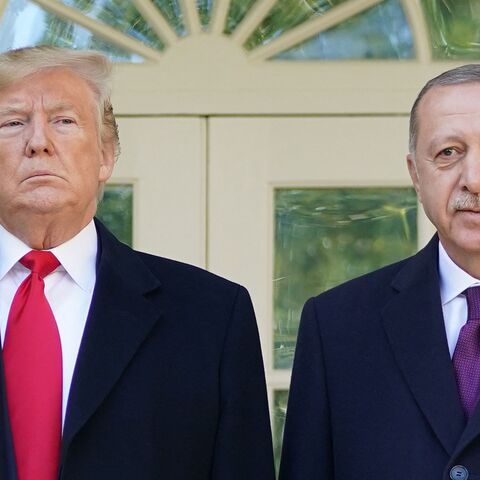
(413, 322)
(119, 320)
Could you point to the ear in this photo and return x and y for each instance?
(412, 170)
(107, 162)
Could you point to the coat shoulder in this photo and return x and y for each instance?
(360, 300)
(190, 283)
(375, 281)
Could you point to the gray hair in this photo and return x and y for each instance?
(465, 74)
(93, 67)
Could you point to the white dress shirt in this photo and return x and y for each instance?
(453, 281)
(68, 289)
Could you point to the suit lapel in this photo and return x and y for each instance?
(413, 321)
(7, 456)
(119, 320)
(472, 430)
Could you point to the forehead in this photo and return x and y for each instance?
(49, 86)
(447, 108)
(450, 101)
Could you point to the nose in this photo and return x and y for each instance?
(38, 140)
(471, 171)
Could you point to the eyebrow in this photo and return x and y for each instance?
(62, 107)
(21, 109)
(440, 139)
(11, 111)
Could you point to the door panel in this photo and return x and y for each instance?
(164, 158)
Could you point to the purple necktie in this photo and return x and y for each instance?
(466, 359)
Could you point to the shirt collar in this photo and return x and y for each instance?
(11, 251)
(77, 256)
(453, 280)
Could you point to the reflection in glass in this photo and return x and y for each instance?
(285, 15)
(236, 13)
(381, 32)
(172, 12)
(116, 211)
(454, 28)
(121, 15)
(25, 24)
(204, 8)
(324, 237)
(280, 398)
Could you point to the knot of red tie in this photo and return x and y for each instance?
(40, 262)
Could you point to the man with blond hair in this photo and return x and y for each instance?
(115, 364)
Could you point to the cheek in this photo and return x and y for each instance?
(436, 197)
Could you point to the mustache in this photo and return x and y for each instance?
(466, 201)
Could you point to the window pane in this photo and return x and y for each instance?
(381, 32)
(172, 12)
(26, 24)
(238, 10)
(121, 15)
(324, 237)
(116, 211)
(454, 28)
(285, 15)
(280, 398)
(204, 8)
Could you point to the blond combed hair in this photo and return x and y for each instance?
(93, 67)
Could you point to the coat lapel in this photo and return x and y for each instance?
(7, 456)
(413, 321)
(119, 320)
(472, 430)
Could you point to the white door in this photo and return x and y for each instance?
(165, 160)
(298, 205)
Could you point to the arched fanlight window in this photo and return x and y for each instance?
(143, 30)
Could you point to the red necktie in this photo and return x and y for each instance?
(32, 356)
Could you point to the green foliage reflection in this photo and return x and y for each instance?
(173, 14)
(454, 28)
(121, 15)
(285, 15)
(381, 32)
(238, 10)
(116, 211)
(204, 8)
(63, 33)
(324, 237)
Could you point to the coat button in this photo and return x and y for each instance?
(459, 472)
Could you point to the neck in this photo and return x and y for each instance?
(41, 233)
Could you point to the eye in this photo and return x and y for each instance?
(448, 152)
(12, 123)
(449, 156)
(66, 121)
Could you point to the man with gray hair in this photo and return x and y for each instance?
(386, 378)
(115, 364)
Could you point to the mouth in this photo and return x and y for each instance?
(469, 210)
(41, 174)
(472, 213)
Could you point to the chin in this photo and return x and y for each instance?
(45, 204)
(467, 243)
